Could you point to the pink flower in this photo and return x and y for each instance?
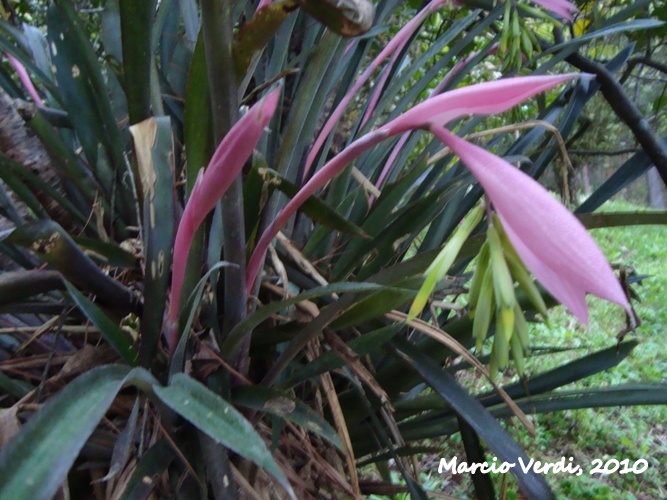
(484, 98)
(550, 240)
(487, 98)
(226, 163)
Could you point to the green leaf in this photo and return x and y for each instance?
(19, 187)
(136, 22)
(636, 166)
(329, 361)
(379, 303)
(108, 252)
(35, 463)
(25, 57)
(239, 331)
(12, 173)
(191, 21)
(220, 421)
(117, 338)
(265, 399)
(151, 465)
(567, 373)
(64, 158)
(198, 137)
(84, 94)
(74, 81)
(618, 395)
(537, 385)
(475, 454)
(188, 312)
(16, 286)
(16, 388)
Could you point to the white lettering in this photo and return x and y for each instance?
(443, 466)
(505, 467)
(525, 468)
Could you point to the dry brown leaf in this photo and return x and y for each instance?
(302, 262)
(341, 426)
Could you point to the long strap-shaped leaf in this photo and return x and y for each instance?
(112, 333)
(479, 419)
(37, 461)
(219, 420)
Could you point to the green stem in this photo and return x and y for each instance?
(218, 39)
(218, 43)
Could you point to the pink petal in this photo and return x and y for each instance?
(436, 91)
(482, 99)
(551, 241)
(225, 165)
(561, 7)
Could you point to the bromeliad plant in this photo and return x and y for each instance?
(279, 318)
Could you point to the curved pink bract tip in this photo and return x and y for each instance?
(24, 77)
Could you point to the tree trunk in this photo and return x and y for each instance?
(20, 145)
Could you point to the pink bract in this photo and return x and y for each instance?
(225, 165)
(484, 98)
(550, 240)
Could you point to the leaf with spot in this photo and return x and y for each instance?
(36, 462)
(153, 146)
(51, 243)
(84, 96)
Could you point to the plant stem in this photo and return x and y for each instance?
(218, 40)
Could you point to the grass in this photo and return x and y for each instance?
(621, 433)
